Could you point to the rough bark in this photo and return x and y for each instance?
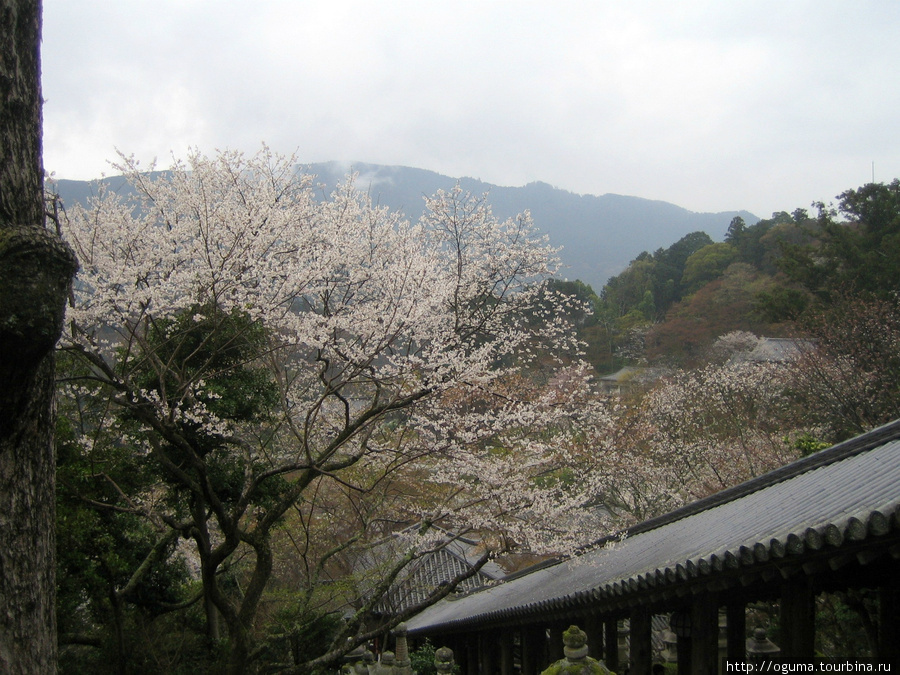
(36, 270)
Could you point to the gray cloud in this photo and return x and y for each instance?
(764, 106)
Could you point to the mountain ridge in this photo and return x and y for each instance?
(599, 234)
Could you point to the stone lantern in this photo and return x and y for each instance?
(358, 661)
(760, 647)
(670, 649)
(443, 660)
(402, 664)
(386, 667)
(577, 661)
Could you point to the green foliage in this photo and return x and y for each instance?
(221, 350)
(780, 304)
(718, 307)
(736, 230)
(807, 444)
(659, 274)
(105, 541)
(297, 634)
(853, 255)
(758, 244)
(792, 263)
(846, 624)
(628, 289)
(422, 659)
(668, 285)
(643, 293)
(171, 643)
(209, 345)
(101, 548)
(707, 264)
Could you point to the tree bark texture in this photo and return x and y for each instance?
(36, 270)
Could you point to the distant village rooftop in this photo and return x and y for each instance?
(775, 350)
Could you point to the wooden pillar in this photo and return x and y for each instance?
(472, 649)
(684, 655)
(487, 643)
(593, 626)
(736, 632)
(889, 622)
(680, 624)
(641, 654)
(556, 643)
(506, 651)
(798, 619)
(611, 644)
(458, 644)
(704, 635)
(534, 640)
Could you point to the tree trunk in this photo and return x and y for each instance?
(118, 618)
(36, 270)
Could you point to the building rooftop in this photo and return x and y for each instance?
(834, 498)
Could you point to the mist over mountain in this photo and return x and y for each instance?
(599, 235)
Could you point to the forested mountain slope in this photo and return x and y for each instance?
(770, 278)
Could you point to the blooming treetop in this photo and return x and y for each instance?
(719, 425)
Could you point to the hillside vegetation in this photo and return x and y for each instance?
(770, 278)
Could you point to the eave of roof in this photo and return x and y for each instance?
(838, 496)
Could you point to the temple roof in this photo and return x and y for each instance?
(837, 498)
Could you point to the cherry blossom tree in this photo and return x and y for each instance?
(722, 424)
(847, 380)
(272, 357)
(701, 430)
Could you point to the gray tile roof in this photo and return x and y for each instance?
(418, 580)
(844, 494)
(436, 568)
(777, 350)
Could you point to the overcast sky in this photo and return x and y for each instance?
(715, 105)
